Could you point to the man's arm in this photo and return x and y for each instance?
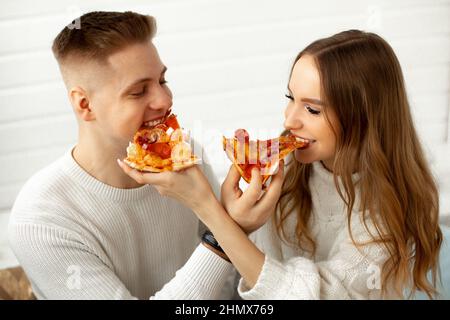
(62, 265)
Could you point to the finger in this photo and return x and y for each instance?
(231, 183)
(274, 191)
(251, 195)
(139, 177)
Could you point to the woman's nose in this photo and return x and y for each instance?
(293, 119)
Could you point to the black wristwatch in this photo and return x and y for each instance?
(208, 238)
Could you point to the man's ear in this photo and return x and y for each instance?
(80, 102)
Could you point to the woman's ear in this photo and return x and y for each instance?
(80, 102)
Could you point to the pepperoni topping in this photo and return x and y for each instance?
(242, 135)
(172, 122)
(161, 149)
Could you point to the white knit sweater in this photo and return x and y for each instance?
(337, 271)
(78, 238)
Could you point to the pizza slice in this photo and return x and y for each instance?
(161, 148)
(262, 154)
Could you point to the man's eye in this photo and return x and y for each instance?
(287, 95)
(311, 110)
(162, 82)
(141, 93)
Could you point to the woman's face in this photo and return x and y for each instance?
(305, 116)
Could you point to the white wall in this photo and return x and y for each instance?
(228, 66)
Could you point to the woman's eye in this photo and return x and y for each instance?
(287, 95)
(311, 110)
(162, 82)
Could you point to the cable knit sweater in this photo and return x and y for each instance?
(78, 238)
(337, 271)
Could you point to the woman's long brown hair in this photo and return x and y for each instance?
(362, 82)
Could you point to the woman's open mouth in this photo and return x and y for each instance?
(301, 139)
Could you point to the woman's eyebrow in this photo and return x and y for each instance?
(313, 101)
(310, 100)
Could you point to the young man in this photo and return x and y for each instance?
(83, 229)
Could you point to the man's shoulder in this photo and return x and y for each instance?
(44, 188)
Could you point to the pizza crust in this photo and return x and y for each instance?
(175, 167)
(142, 168)
(185, 164)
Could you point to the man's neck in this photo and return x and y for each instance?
(100, 161)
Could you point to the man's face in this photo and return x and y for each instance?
(131, 91)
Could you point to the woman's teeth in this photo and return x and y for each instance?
(299, 139)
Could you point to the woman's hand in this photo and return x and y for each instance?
(188, 186)
(248, 208)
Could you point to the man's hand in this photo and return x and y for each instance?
(189, 186)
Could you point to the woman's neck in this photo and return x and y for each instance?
(327, 164)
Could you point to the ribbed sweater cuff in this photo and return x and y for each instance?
(271, 282)
(277, 282)
(206, 268)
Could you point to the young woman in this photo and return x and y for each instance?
(357, 213)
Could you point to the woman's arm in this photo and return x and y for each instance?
(348, 273)
(244, 255)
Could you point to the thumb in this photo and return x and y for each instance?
(231, 183)
(274, 191)
(251, 195)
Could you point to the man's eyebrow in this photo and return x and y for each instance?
(310, 100)
(144, 79)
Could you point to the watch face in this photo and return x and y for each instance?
(208, 237)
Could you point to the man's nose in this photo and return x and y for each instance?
(160, 101)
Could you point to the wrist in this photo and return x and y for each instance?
(208, 210)
(219, 253)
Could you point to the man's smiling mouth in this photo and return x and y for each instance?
(154, 122)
